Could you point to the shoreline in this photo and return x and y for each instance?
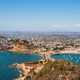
(25, 70)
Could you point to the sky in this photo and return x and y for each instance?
(40, 15)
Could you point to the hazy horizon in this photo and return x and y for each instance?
(40, 15)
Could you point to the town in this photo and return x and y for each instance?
(39, 43)
(42, 44)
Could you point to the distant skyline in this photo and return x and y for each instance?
(40, 15)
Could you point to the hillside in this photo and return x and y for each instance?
(59, 70)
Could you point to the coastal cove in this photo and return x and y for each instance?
(8, 58)
(71, 57)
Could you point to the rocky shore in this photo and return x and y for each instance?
(28, 69)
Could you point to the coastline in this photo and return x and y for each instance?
(27, 69)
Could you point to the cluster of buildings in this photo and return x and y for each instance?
(40, 43)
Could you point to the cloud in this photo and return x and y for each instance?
(59, 25)
(78, 25)
(66, 25)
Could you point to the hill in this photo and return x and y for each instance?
(59, 70)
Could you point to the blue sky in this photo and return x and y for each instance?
(40, 15)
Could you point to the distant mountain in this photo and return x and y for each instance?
(25, 35)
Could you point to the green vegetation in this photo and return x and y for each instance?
(61, 48)
(59, 70)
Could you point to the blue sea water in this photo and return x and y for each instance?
(75, 58)
(9, 58)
